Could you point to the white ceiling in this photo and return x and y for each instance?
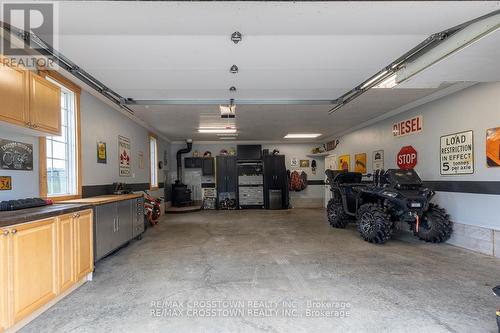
(290, 50)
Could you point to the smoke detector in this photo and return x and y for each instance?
(234, 69)
(236, 37)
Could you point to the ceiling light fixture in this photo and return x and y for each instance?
(217, 130)
(227, 134)
(236, 37)
(388, 82)
(228, 138)
(432, 50)
(234, 69)
(302, 135)
(232, 89)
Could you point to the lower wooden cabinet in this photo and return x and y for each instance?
(40, 260)
(3, 281)
(84, 244)
(34, 266)
(67, 252)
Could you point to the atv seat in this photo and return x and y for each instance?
(348, 178)
(331, 174)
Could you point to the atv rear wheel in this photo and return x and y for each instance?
(435, 226)
(374, 224)
(336, 215)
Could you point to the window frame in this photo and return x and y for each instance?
(153, 187)
(43, 142)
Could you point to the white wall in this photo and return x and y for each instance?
(476, 108)
(311, 196)
(102, 123)
(24, 183)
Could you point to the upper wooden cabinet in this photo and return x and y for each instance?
(29, 100)
(45, 105)
(14, 94)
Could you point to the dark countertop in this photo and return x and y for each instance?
(10, 218)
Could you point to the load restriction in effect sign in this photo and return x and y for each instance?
(457, 153)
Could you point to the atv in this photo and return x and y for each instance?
(392, 196)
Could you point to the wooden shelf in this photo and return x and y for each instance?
(318, 155)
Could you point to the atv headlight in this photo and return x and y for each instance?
(390, 194)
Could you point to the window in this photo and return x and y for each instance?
(60, 172)
(153, 158)
(61, 151)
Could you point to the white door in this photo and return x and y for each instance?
(330, 163)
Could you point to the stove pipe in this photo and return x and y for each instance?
(186, 150)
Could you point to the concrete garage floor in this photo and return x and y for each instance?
(281, 260)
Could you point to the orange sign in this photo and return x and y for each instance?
(5, 183)
(493, 147)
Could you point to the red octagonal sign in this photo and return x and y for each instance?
(407, 158)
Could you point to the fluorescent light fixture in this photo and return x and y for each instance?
(302, 135)
(389, 82)
(374, 79)
(217, 130)
(227, 134)
(228, 138)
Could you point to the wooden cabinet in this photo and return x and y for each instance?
(29, 100)
(41, 260)
(67, 252)
(84, 240)
(45, 105)
(34, 266)
(14, 95)
(3, 279)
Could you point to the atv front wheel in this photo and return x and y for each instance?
(435, 226)
(374, 224)
(336, 215)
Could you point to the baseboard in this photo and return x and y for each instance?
(470, 237)
(50, 304)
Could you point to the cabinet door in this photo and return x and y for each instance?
(221, 174)
(208, 167)
(66, 237)
(14, 95)
(84, 240)
(4, 314)
(34, 266)
(232, 174)
(105, 228)
(45, 105)
(125, 223)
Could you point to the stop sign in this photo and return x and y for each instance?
(407, 158)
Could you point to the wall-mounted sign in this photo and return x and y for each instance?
(345, 162)
(141, 160)
(294, 162)
(16, 155)
(360, 163)
(407, 158)
(378, 160)
(457, 153)
(331, 145)
(5, 183)
(493, 147)
(304, 163)
(408, 126)
(124, 156)
(102, 155)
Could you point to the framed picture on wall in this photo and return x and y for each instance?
(345, 162)
(360, 163)
(102, 154)
(493, 147)
(124, 156)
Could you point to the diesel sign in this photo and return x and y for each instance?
(409, 126)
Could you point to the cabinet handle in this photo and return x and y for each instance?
(5, 232)
(14, 231)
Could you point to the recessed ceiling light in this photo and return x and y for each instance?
(302, 135)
